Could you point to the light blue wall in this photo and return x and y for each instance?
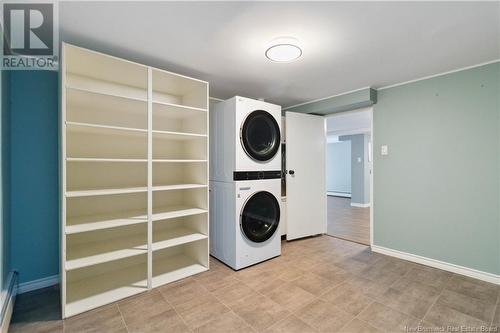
(360, 191)
(34, 168)
(437, 192)
(338, 167)
(367, 169)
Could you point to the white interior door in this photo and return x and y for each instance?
(306, 176)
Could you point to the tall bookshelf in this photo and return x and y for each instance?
(134, 178)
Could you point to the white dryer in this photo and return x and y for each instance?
(244, 221)
(245, 136)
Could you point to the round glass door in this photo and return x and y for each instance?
(260, 135)
(260, 217)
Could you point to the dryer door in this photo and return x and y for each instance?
(260, 136)
(260, 217)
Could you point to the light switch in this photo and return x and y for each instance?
(384, 150)
(359, 159)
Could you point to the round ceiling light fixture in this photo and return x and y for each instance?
(284, 49)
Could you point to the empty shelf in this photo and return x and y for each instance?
(99, 222)
(88, 193)
(172, 237)
(169, 269)
(178, 211)
(91, 159)
(103, 251)
(172, 107)
(106, 93)
(170, 135)
(177, 187)
(95, 128)
(92, 292)
(157, 160)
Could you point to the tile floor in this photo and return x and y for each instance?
(347, 222)
(320, 284)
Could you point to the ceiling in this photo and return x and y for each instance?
(346, 123)
(346, 45)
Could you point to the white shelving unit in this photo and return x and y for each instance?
(134, 181)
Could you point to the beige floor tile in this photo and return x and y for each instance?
(258, 278)
(139, 308)
(182, 291)
(255, 269)
(484, 291)
(289, 272)
(471, 306)
(201, 309)
(347, 273)
(380, 274)
(348, 298)
(291, 324)
(351, 266)
(387, 319)
(259, 311)
(366, 256)
(166, 321)
(307, 262)
(269, 286)
(214, 279)
(416, 289)
(371, 289)
(401, 267)
(150, 312)
(440, 315)
(324, 316)
(496, 318)
(430, 276)
(103, 319)
(313, 283)
(406, 303)
(359, 326)
(235, 291)
(331, 273)
(226, 323)
(291, 297)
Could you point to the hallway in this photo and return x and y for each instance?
(350, 223)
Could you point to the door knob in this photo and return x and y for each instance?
(291, 172)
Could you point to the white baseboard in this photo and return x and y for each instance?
(470, 272)
(360, 205)
(38, 284)
(8, 299)
(339, 194)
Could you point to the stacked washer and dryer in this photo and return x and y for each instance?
(245, 181)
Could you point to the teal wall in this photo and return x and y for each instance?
(4, 177)
(34, 167)
(338, 167)
(437, 192)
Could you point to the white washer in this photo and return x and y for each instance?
(245, 136)
(244, 221)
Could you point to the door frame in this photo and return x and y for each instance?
(372, 152)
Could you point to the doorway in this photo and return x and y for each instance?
(348, 175)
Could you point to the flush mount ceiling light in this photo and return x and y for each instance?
(285, 49)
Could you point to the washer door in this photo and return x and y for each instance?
(260, 217)
(260, 135)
